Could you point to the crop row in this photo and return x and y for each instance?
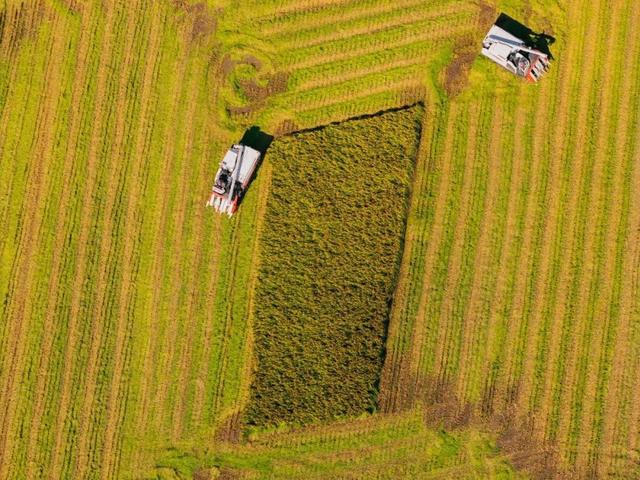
(368, 25)
(106, 269)
(536, 321)
(354, 46)
(372, 447)
(332, 14)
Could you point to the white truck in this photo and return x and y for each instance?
(514, 54)
(233, 177)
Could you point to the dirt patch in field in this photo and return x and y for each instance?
(444, 409)
(253, 61)
(214, 473)
(228, 63)
(486, 15)
(285, 127)
(258, 94)
(525, 452)
(19, 23)
(203, 21)
(456, 75)
(204, 474)
(229, 431)
(230, 474)
(442, 406)
(254, 90)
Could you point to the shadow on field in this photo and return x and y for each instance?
(539, 41)
(258, 140)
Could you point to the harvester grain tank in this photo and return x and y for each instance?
(233, 177)
(515, 51)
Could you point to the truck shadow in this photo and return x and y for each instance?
(257, 139)
(260, 141)
(539, 41)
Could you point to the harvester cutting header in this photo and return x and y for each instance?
(516, 48)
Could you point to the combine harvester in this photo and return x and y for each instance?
(505, 46)
(233, 177)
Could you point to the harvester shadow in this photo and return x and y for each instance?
(539, 41)
(260, 141)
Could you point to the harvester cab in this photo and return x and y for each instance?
(516, 48)
(233, 177)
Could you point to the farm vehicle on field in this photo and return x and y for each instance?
(237, 169)
(232, 179)
(517, 48)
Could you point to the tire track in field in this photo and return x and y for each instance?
(252, 277)
(530, 281)
(214, 265)
(130, 254)
(474, 313)
(263, 197)
(44, 383)
(36, 374)
(427, 323)
(12, 264)
(49, 383)
(173, 338)
(211, 260)
(631, 300)
(617, 398)
(595, 285)
(108, 302)
(192, 237)
(511, 251)
(15, 304)
(212, 269)
(553, 184)
(533, 284)
(143, 416)
(85, 217)
(393, 381)
(217, 401)
(537, 225)
(450, 320)
(106, 254)
(9, 49)
(231, 318)
(562, 330)
(419, 335)
(144, 413)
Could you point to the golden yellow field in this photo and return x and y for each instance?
(126, 307)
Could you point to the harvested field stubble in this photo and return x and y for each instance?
(520, 292)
